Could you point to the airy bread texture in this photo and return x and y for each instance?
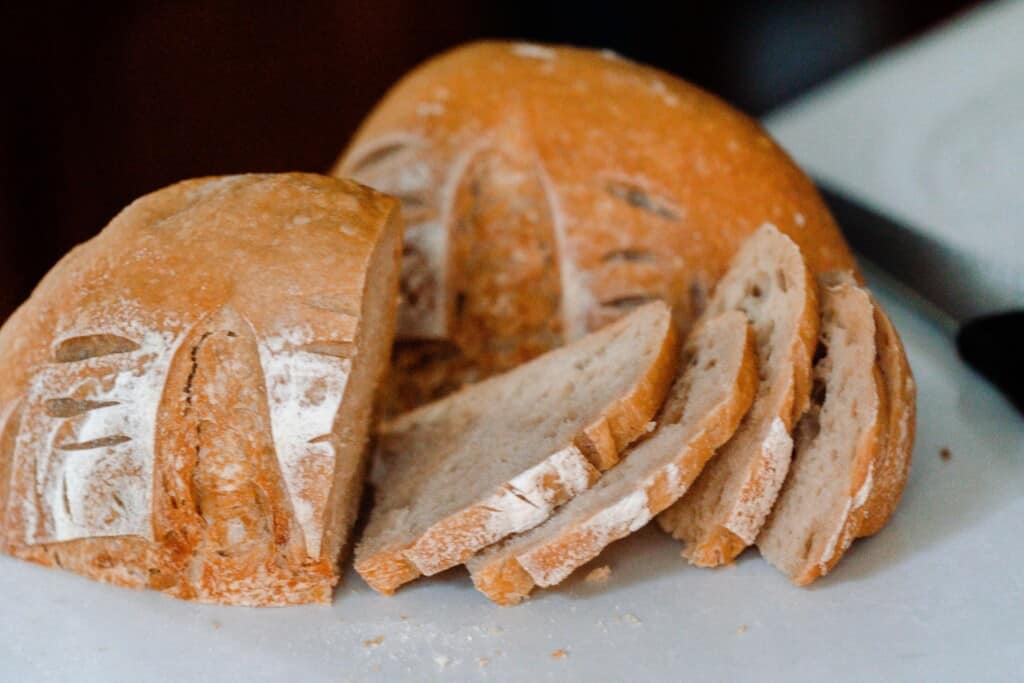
(703, 409)
(549, 190)
(186, 397)
(724, 511)
(852, 447)
(836, 443)
(497, 457)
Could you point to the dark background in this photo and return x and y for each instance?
(105, 101)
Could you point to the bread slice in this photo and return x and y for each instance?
(727, 505)
(837, 443)
(497, 457)
(898, 424)
(851, 463)
(703, 409)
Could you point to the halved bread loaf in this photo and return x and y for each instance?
(727, 505)
(703, 409)
(186, 398)
(837, 443)
(497, 457)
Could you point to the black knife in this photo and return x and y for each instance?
(984, 300)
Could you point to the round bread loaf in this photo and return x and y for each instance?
(185, 398)
(549, 190)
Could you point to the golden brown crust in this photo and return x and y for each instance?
(505, 582)
(870, 451)
(454, 539)
(503, 577)
(863, 399)
(883, 460)
(719, 546)
(148, 368)
(609, 183)
(627, 420)
(808, 327)
(900, 422)
(752, 467)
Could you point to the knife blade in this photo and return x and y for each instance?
(983, 300)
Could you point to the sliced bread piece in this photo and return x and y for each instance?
(837, 444)
(727, 505)
(497, 457)
(703, 409)
(898, 424)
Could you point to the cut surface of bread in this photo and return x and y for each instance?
(497, 457)
(548, 189)
(186, 398)
(727, 505)
(838, 443)
(716, 385)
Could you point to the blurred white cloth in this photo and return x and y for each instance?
(931, 132)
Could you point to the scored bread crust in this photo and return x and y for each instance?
(697, 418)
(186, 397)
(547, 190)
(727, 505)
(527, 498)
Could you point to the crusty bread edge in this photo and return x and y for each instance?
(628, 418)
(138, 563)
(901, 394)
(883, 454)
(510, 580)
(888, 455)
(723, 544)
(620, 423)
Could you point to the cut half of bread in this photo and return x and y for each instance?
(727, 505)
(497, 457)
(186, 399)
(837, 444)
(703, 409)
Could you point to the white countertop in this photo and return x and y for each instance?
(937, 595)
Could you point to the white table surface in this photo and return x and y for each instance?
(936, 596)
(932, 133)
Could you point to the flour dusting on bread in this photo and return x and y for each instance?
(193, 389)
(89, 424)
(776, 450)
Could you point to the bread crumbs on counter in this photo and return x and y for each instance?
(483, 661)
(441, 661)
(945, 454)
(216, 625)
(373, 642)
(598, 575)
(559, 654)
(741, 629)
(631, 619)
